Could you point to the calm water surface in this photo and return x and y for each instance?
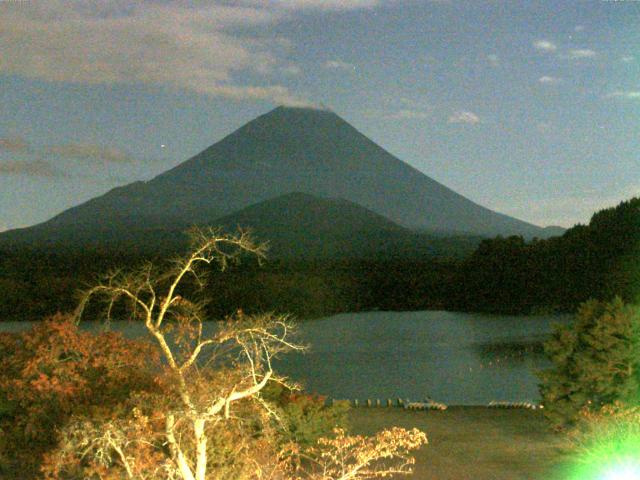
(455, 358)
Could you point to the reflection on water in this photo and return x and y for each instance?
(512, 350)
(455, 358)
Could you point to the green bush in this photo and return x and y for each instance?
(306, 417)
(596, 361)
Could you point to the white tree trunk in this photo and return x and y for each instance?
(176, 451)
(201, 448)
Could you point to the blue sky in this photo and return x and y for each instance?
(529, 108)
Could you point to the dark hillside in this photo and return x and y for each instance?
(598, 260)
(301, 226)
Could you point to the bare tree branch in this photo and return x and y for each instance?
(258, 338)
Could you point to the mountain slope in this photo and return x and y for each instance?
(298, 225)
(286, 150)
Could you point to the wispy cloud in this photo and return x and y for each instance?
(87, 151)
(326, 4)
(31, 168)
(548, 46)
(338, 65)
(577, 53)
(627, 58)
(209, 48)
(174, 44)
(14, 145)
(464, 116)
(38, 157)
(548, 80)
(329, 5)
(545, 46)
(626, 94)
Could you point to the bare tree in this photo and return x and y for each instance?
(247, 344)
(209, 378)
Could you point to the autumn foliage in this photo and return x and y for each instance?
(187, 401)
(55, 371)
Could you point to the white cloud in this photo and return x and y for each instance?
(464, 117)
(176, 44)
(627, 58)
(582, 53)
(545, 46)
(578, 28)
(209, 47)
(575, 53)
(628, 94)
(548, 80)
(338, 65)
(493, 59)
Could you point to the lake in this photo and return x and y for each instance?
(454, 358)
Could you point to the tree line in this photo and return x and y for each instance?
(599, 260)
(503, 275)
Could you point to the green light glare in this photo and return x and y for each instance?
(616, 459)
(628, 471)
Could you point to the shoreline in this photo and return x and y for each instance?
(474, 443)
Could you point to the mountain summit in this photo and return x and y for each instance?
(286, 150)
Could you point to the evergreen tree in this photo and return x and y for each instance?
(596, 361)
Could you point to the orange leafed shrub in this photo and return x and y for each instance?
(356, 457)
(54, 371)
